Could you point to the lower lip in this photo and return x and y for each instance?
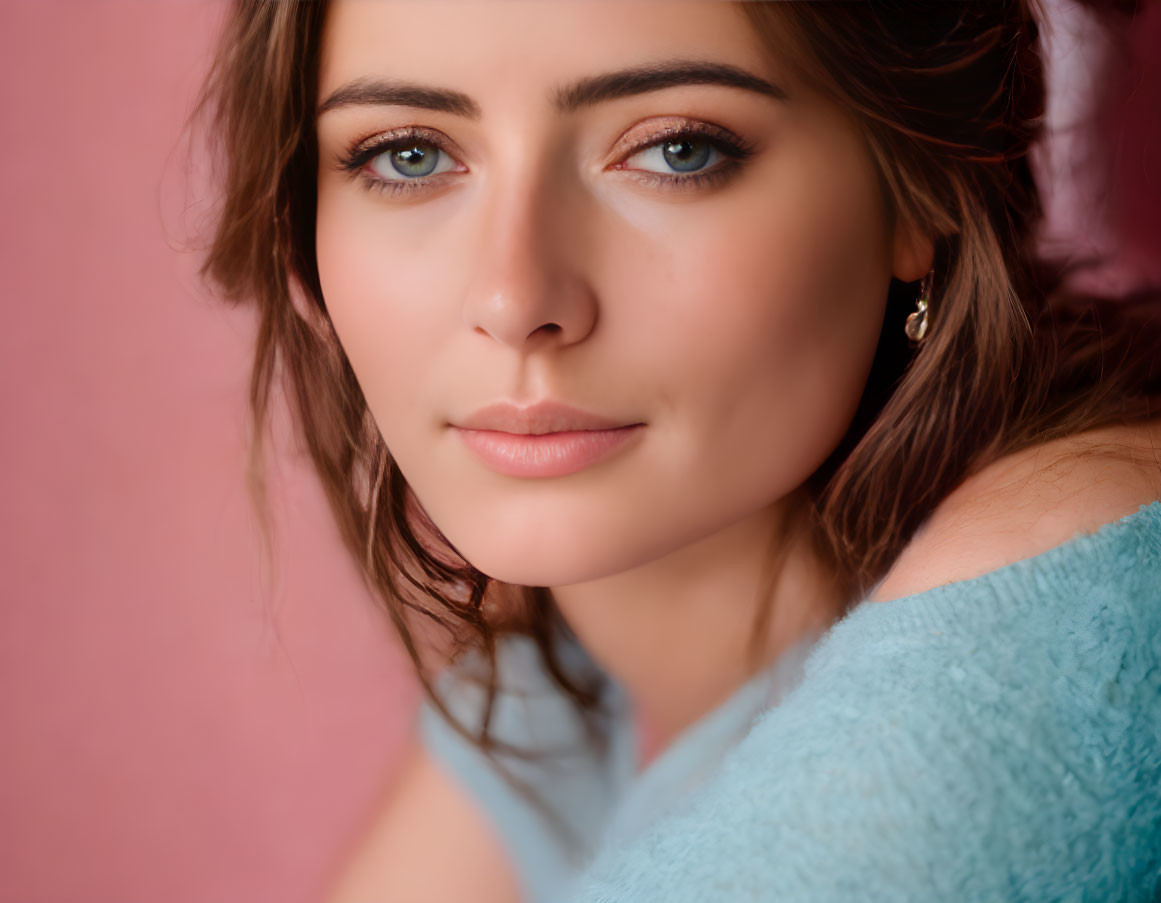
(547, 455)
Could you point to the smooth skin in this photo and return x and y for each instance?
(429, 842)
(552, 251)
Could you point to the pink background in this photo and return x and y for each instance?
(174, 725)
(177, 724)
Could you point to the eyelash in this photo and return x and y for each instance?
(734, 149)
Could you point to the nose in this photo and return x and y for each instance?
(529, 289)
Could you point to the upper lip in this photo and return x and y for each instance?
(542, 417)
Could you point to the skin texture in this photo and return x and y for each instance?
(1029, 502)
(545, 259)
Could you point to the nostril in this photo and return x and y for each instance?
(551, 328)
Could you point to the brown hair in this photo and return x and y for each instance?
(949, 98)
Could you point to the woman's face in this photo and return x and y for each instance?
(525, 202)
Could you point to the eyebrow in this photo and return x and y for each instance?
(585, 92)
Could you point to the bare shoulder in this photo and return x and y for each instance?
(403, 855)
(1029, 502)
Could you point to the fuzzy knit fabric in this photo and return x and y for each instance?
(596, 795)
(994, 739)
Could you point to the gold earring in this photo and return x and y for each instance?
(916, 326)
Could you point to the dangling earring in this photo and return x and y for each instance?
(916, 326)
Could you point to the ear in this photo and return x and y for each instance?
(913, 252)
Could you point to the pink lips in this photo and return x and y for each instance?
(547, 439)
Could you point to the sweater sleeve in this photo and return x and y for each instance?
(995, 739)
(548, 827)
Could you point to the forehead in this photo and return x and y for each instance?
(526, 47)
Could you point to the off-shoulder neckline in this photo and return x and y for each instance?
(1062, 557)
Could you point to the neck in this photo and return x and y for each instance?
(677, 633)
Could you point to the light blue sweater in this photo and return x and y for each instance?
(995, 739)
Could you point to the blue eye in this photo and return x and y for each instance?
(688, 157)
(410, 160)
(683, 154)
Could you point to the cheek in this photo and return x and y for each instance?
(808, 273)
(378, 281)
(767, 318)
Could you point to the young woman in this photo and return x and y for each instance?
(685, 375)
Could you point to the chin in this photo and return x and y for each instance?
(562, 568)
(550, 557)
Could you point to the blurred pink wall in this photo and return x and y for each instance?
(170, 728)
